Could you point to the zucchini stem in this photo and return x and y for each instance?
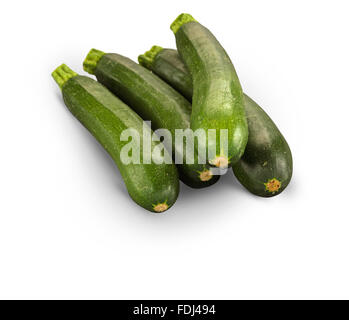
(146, 60)
(92, 59)
(183, 18)
(62, 74)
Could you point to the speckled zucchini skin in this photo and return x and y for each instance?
(217, 95)
(267, 155)
(153, 100)
(105, 116)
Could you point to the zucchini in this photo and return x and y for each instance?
(152, 186)
(168, 65)
(153, 100)
(217, 94)
(266, 166)
(265, 169)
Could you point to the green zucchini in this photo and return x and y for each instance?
(168, 65)
(217, 94)
(265, 169)
(152, 186)
(266, 166)
(153, 100)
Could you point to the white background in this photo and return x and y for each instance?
(69, 230)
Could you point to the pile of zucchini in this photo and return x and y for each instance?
(195, 87)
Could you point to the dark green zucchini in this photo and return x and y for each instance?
(265, 169)
(217, 95)
(266, 166)
(152, 186)
(168, 65)
(153, 100)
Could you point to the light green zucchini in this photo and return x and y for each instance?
(153, 186)
(217, 95)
